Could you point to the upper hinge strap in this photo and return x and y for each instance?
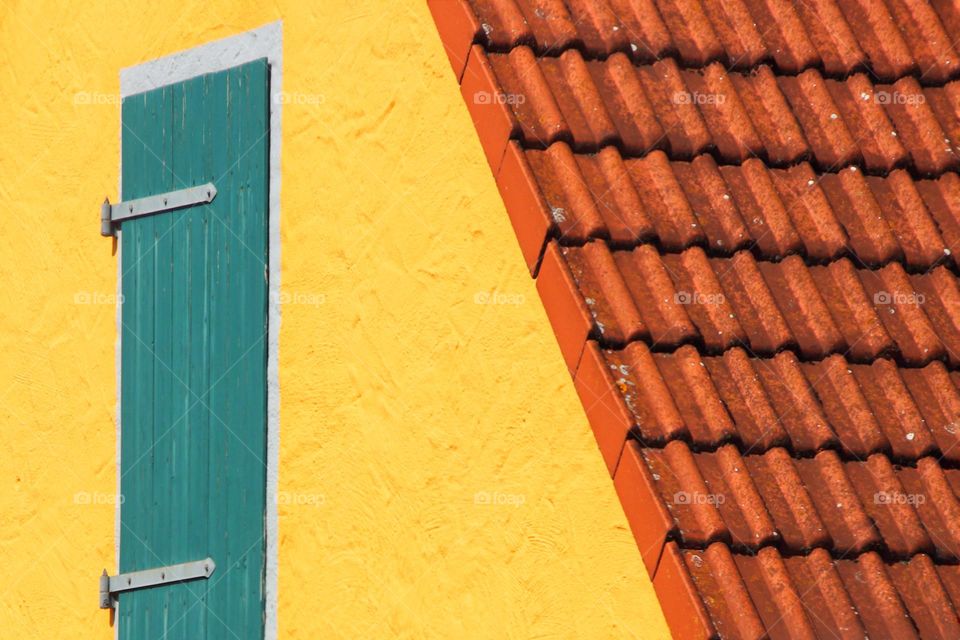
(110, 214)
(110, 586)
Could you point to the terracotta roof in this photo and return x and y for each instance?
(742, 219)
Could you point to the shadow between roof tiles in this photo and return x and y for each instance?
(889, 41)
(746, 450)
(731, 66)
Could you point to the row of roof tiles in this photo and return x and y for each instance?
(858, 409)
(781, 119)
(892, 39)
(761, 403)
(725, 208)
(688, 297)
(797, 504)
(714, 593)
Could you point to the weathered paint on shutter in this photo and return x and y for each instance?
(194, 354)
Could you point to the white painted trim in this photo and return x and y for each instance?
(263, 42)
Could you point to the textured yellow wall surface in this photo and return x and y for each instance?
(437, 477)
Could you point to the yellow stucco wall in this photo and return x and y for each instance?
(403, 395)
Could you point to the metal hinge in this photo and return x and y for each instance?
(110, 586)
(110, 214)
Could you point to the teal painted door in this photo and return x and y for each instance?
(194, 356)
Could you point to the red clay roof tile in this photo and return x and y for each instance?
(681, 598)
(610, 420)
(527, 207)
(492, 118)
(459, 29)
(647, 515)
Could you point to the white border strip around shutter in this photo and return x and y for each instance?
(263, 42)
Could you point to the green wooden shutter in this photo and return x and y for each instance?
(194, 356)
